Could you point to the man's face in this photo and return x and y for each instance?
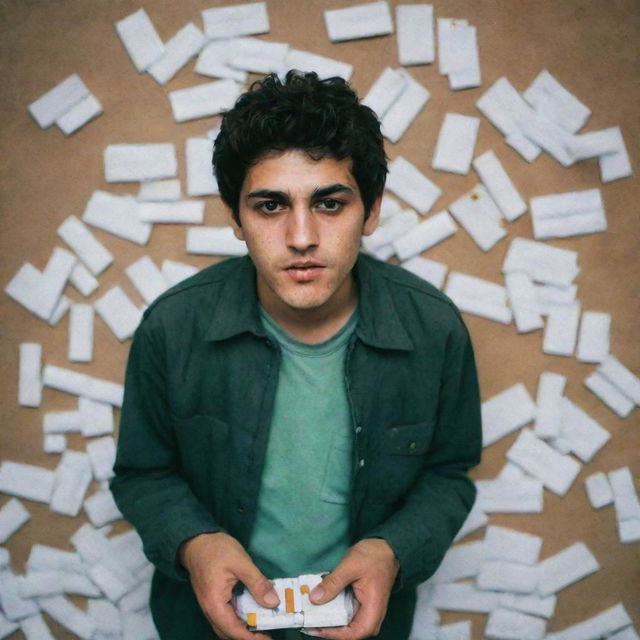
(302, 220)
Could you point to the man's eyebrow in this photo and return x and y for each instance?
(321, 192)
(268, 193)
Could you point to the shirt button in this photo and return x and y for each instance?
(361, 463)
(412, 446)
(239, 508)
(358, 429)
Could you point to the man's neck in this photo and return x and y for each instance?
(316, 325)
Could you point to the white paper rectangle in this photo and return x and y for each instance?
(180, 212)
(598, 490)
(597, 626)
(621, 377)
(385, 91)
(525, 495)
(564, 568)
(50, 106)
(405, 109)
(69, 616)
(35, 628)
(547, 96)
(29, 376)
(533, 604)
(549, 402)
(246, 19)
(561, 331)
(177, 52)
(26, 481)
(96, 417)
(54, 443)
(101, 509)
(102, 455)
(175, 272)
(506, 412)
(14, 606)
(147, 278)
(584, 435)
(508, 545)
(609, 394)
(81, 333)
(524, 302)
(80, 114)
(556, 471)
(80, 384)
(568, 214)
(407, 182)
(61, 422)
(204, 100)
(479, 297)
(499, 185)
(83, 280)
(504, 624)
(463, 596)
(460, 561)
(498, 575)
(139, 162)
(625, 496)
(159, 191)
(90, 251)
(593, 340)
(358, 21)
(614, 166)
(119, 313)
(140, 39)
(477, 213)
(73, 477)
(456, 143)
(214, 241)
(201, 180)
(116, 215)
(543, 263)
(386, 233)
(12, 516)
(425, 235)
(429, 270)
(414, 24)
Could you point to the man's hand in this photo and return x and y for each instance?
(370, 567)
(216, 562)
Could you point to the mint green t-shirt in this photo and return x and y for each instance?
(302, 519)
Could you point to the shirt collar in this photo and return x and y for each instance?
(379, 324)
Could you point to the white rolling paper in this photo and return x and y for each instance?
(415, 36)
(29, 376)
(358, 21)
(456, 143)
(140, 39)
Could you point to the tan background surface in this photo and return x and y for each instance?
(592, 47)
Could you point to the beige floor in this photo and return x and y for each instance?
(591, 46)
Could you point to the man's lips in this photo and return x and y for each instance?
(304, 271)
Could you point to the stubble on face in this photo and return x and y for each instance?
(303, 220)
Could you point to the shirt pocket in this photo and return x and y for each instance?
(203, 455)
(336, 484)
(400, 460)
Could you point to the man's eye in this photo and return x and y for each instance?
(330, 204)
(269, 206)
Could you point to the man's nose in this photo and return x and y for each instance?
(302, 229)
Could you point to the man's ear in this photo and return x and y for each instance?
(371, 223)
(235, 225)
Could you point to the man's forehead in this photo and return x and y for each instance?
(294, 169)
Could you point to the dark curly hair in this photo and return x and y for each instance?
(321, 117)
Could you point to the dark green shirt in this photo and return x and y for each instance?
(199, 394)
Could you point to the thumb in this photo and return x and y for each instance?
(332, 584)
(261, 588)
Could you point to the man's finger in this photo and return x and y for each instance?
(332, 584)
(228, 626)
(261, 589)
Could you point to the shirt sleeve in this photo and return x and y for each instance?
(423, 528)
(148, 487)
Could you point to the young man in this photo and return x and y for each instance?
(305, 409)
